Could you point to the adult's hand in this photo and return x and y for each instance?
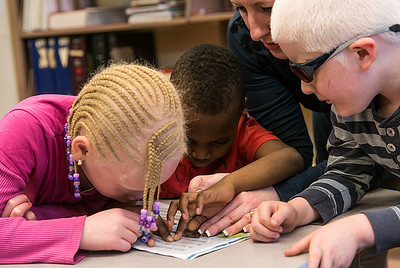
(235, 216)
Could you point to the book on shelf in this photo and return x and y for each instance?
(78, 62)
(164, 15)
(86, 17)
(67, 5)
(137, 3)
(209, 6)
(162, 11)
(151, 8)
(99, 50)
(43, 66)
(35, 14)
(128, 47)
(49, 61)
(63, 70)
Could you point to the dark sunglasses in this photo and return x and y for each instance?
(305, 71)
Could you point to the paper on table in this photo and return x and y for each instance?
(189, 248)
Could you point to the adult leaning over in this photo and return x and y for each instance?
(273, 94)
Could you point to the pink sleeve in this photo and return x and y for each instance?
(48, 241)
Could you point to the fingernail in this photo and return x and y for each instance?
(200, 231)
(225, 233)
(208, 233)
(244, 229)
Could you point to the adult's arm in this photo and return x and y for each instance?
(270, 100)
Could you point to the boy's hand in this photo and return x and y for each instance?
(202, 182)
(112, 229)
(271, 219)
(19, 206)
(191, 217)
(187, 208)
(164, 230)
(336, 244)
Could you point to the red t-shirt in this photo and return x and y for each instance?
(249, 138)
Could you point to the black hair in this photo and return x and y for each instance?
(209, 80)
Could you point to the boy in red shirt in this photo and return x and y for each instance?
(222, 138)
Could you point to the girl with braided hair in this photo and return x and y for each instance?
(63, 158)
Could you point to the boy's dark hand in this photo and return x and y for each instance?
(196, 208)
(164, 230)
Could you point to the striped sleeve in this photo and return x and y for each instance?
(386, 225)
(348, 174)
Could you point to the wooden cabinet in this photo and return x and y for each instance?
(171, 38)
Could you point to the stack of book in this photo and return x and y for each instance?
(142, 11)
(42, 15)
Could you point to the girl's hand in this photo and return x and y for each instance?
(113, 229)
(336, 244)
(202, 182)
(19, 206)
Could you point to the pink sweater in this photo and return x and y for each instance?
(33, 162)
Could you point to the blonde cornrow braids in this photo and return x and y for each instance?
(158, 152)
(115, 103)
(124, 105)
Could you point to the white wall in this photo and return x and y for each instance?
(8, 85)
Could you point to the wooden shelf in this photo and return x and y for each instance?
(118, 27)
(20, 38)
(115, 27)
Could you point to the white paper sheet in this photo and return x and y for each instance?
(189, 248)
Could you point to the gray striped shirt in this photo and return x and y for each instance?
(355, 145)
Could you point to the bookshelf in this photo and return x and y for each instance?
(171, 38)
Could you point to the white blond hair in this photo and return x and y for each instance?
(321, 25)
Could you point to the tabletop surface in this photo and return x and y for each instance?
(238, 255)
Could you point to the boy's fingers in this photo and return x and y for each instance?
(184, 202)
(299, 246)
(279, 216)
(261, 232)
(201, 197)
(163, 230)
(264, 237)
(151, 241)
(179, 229)
(196, 222)
(172, 209)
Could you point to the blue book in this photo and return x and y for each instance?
(43, 66)
(62, 70)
